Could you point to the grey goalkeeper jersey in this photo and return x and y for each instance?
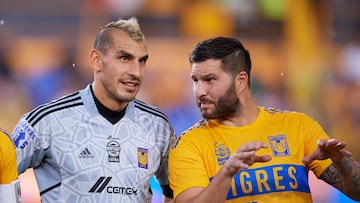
(80, 157)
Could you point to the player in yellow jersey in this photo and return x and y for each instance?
(241, 152)
(9, 183)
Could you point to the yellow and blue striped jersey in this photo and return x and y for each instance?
(8, 168)
(202, 150)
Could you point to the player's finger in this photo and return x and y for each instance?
(340, 145)
(345, 153)
(252, 146)
(322, 143)
(335, 143)
(264, 158)
(240, 160)
(243, 165)
(243, 155)
(327, 144)
(308, 159)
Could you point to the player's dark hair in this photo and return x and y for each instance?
(233, 55)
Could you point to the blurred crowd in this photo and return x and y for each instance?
(306, 54)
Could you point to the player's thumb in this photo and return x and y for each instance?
(308, 159)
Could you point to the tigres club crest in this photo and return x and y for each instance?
(279, 145)
(142, 157)
(222, 153)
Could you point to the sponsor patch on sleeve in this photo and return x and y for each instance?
(23, 135)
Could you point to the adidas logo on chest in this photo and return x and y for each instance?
(85, 154)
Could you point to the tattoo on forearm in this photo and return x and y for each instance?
(344, 176)
(332, 177)
(353, 169)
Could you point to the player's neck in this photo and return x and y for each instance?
(245, 115)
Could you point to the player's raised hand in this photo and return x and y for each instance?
(245, 156)
(332, 149)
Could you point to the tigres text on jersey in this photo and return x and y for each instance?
(202, 150)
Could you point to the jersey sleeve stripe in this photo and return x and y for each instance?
(51, 106)
(58, 100)
(62, 103)
(50, 188)
(150, 109)
(152, 112)
(54, 110)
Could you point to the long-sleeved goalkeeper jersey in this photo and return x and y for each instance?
(79, 156)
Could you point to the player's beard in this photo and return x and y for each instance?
(226, 106)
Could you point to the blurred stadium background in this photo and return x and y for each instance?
(306, 57)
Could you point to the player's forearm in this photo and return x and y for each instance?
(216, 191)
(349, 174)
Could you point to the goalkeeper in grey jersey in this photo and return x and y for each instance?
(99, 144)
